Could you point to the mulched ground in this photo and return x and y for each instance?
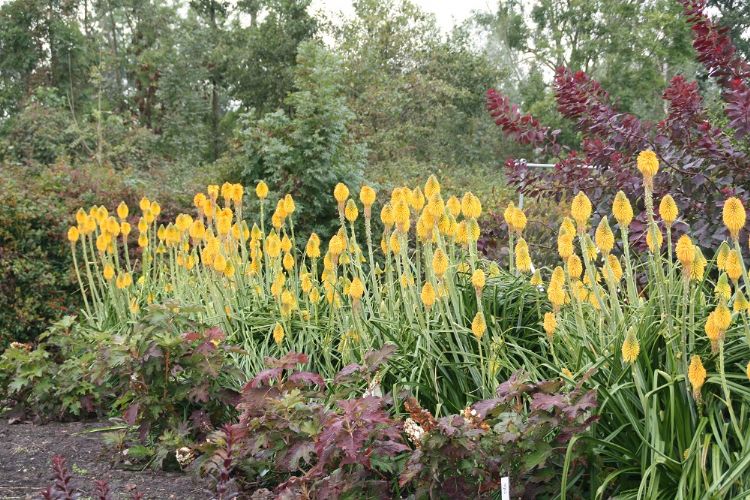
(26, 451)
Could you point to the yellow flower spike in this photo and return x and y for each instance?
(722, 289)
(278, 333)
(699, 265)
(436, 206)
(685, 251)
(454, 206)
(567, 373)
(734, 216)
(102, 242)
(81, 217)
(351, 212)
(229, 270)
(648, 164)
(668, 210)
(213, 191)
(696, 376)
(478, 280)
(580, 210)
(144, 204)
(518, 220)
(288, 205)
(273, 245)
(122, 210)
(312, 249)
(605, 238)
(555, 290)
(417, 200)
(747, 370)
(721, 256)
(125, 229)
(261, 190)
(387, 216)
(630, 348)
(431, 187)
(155, 208)
(112, 226)
(238, 192)
(356, 289)
(341, 193)
(659, 240)
(478, 325)
(494, 272)
(108, 272)
(740, 304)
(734, 266)
(143, 241)
(226, 192)
(401, 213)
(508, 215)
(286, 244)
(536, 278)
(288, 262)
(614, 264)
(565, 245)
(723, 317)
(198, 200)
(367, 196)
(134, 307)
(568, 226)
(471, 207)
(278, 284)
(439, 263)
(73, 234)
(473, 229)
(220, 263)
(575, 267)
(523, 259)
(394, 244)
(622, 209)
(549, 324)
(428, 295)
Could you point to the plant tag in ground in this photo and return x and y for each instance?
(505, 488)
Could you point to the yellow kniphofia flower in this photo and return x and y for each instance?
(416, 199)
(523, 259)
(659, 239)
(536, 278)
(668, 210)
(685, 250)
(478, 325)
(478, 279)
(615, 267)
(288, 204)
(580, 209)
(549, 324)
(431, 187)
(428, 295)
(734, 216)
(367, 196)
(605, 238)
(261, 190)
(622, 209)
(734, 265)
(648, 164)
(575, 267)
(73, 234)
(696, 376)
(630, 348)
(351, 212)
(454, 206)
(518, 220)
(278, 333)
(439, 263)
(341, 193)
(122, 210)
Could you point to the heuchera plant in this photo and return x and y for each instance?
(701, 162)
(523, 434)
(298, 438)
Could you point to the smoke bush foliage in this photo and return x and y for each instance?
(702, 160)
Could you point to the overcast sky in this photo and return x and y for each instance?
(447, 12)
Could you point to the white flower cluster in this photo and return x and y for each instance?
(413, 431)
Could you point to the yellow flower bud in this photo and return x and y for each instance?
(431, 187)
(580, 209)
(428, 295)
(668, 210)
(622, 210)
(261, 190)
(341, 193)
(122, 210)
(312, 249)
(549, 324)
(387, 216)
(605, 238)
(108, 272)
(278, 333)
(351, 212)
(478, 279)
(575, 268)
(696, 376)
(648, 164)
(73, 234)
(478, 325)
(416, 199)
(734, 266)
(356, 289)
(454, 206)
(367, 196)
(439, 263)
(734, 216)
(630, 348)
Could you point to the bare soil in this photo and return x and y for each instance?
(26, 450)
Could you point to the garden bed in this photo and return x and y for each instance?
(27, 450)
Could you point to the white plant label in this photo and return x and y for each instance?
(505, 488)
